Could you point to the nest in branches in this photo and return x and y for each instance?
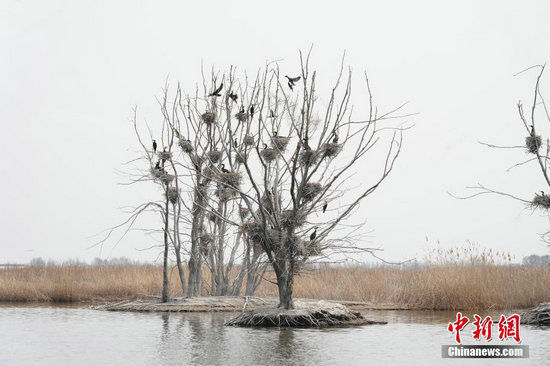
(212, 217)
(533, 143)
(157, 173)
(186, 146)
(331, 149)
(313, 249)
(208, 118)
(269, 154)
(232, 179)
(310, 190)
(214, 156)
(248, 140)
(164, 155)
(541, 201)
(240, 158)
(205, 243)
(173, 194)
(209, 172)
(309, 157)
(225, 194)
(244, 212)
(305, 314)
(289, 219)
(241, 116)
(166, 178)
(280, 142)
(253, 230)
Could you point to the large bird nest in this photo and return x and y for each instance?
(232, 179)
(240, 158)
(173, 195)
(541, 201)
(208, 118)
(164, 155)
(331, 149)
(241, 116)
(310, 190)
(186, 146)
(291, 219)
(205, 243)
(309, 157)
(533, 143)
(269, 154)
(254, 230)
(248, 140)
(166, 178)
(214, 156)
(280, 142)
(157, 172)
(305, 314)
(225, 194)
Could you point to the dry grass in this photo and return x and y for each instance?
(449, 286)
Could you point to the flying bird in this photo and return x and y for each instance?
(325, 207)
(293, 81)
(154, 145)
(233, 96)
(216, 93)
(291, 86)
(313, 235)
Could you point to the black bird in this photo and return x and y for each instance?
(265, 145)
(275, 133)
(306, 145)
(242, 109)
(313, 235)
(532, 132)
(235, 143)
(216, 93)
(157, 165)
(291, 86)
(335, 139)
(233, 97)
(325, 206)
(542, 193)
(154, 145)
(224, 170)
(293, 80)
(163, 160)
(271, 114)
(251, 111)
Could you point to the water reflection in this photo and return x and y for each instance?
(54, 335)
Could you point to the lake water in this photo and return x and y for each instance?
(53, 335)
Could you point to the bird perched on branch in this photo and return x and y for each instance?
(154, 145)
(224, 170)
(216, 93)
(157, 165)
(325, 206)
(532, 131)
(242, 109)
(306, 144)
(335, 139)
(275, 133)
(313, 234)
(265, 145)
(272, 114)
(235, 143)
(233, 96)
(251, 110)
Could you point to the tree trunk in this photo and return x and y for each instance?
(285, 284)
(195, 262)
(165, 289)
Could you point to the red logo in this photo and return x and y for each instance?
(508, 327)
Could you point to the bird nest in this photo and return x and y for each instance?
(208, 118)
(244, 212)
(240, 158)
(214, 156)
(157, 173)
(533, 143)
(165, 155)
(225, 194)
(269, 154)
(541, 201)
(310, 190)
(186, 146)
(232, 179)
(280, 142)
(205, 243)
(173, 195)
(331, 149)
(290, 219)
(309, 157)
(248, 140)
(166, 178)
(241, 116)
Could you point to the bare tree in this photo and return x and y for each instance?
(537, 148)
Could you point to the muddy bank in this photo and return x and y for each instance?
(226, 303)
(539, 315)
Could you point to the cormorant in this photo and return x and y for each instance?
(252, 111)
(325, 206)
(233, 97)
(291, 86)
(242, 109)
(235, 143)
(216, 92)
(271, 114)
(154, 145)
(313, 234)
(157, 165)
(293, 80)
(532, 132)
(275, 133)
(224, 170)
(265, 145)
(306, 145)
(335, 139)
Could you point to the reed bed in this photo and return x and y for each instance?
(440, 287)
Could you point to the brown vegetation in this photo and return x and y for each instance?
(448, 286)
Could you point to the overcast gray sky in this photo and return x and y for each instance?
(72, 70)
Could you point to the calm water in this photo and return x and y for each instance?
(75, 336)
